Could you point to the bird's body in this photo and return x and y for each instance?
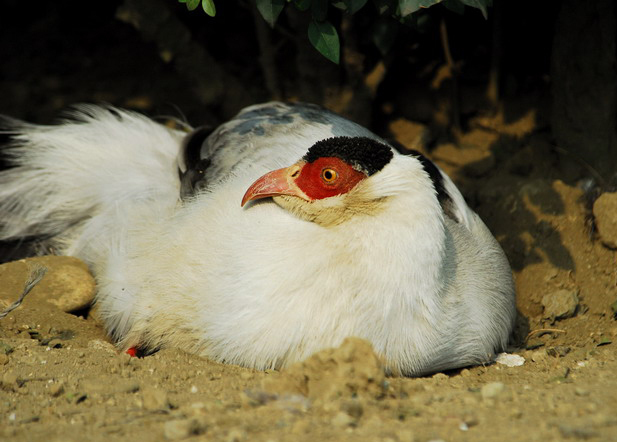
(396, 258)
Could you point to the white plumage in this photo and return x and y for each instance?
(267, 284)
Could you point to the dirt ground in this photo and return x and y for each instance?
(61, 379)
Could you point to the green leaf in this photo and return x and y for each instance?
(209, 8)
(302, 5)
(270, 10)
(319, 10)
(354, 6)
(407, 7)
(480, 4)
(455, 6)
(384, 6)
(324, 38)
(192, 4)
(182, 1)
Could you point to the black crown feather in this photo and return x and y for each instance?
(362, 153)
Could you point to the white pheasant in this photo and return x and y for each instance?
(280, 233)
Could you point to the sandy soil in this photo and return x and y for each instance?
(63, 380)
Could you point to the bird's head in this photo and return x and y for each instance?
(329, 183)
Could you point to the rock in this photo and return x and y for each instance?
(605, 213)
(492, 390)
(342, 419)
(182, 428)
(10, 378)
(68, 284)
(56, 389)
(560, 304)
(510, 360)
(5, 349)
(539, 355)
(559, 351)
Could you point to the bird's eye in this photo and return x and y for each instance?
(329, 175)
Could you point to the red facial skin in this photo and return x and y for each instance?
(323, 178)
(326, 177)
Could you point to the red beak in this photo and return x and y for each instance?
(277, 182)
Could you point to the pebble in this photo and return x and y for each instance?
(10, 378)
(56, 389)
(581, 391)
(510, 360)
(492, 390)
(235, 435)
(181, 428)
(5, 349)
(342, 419)
(560, 304)
(538, 355)
(4, 359)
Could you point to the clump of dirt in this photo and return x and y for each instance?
(350, 371)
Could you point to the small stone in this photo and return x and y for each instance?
(538, 355)
(581, 391)
(56, 389)
(4, 359)
(181, 429)
(5, 349)
(10, 378)
(510, 360)
(560, 304)
(492, 390)
(55, 343)
(235, 435)
(342, 419)
(559, 351)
